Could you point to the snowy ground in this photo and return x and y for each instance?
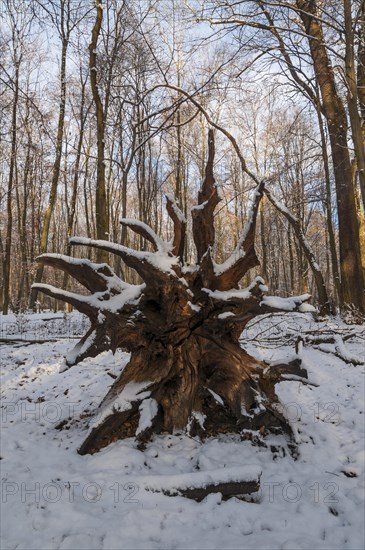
(53, 498)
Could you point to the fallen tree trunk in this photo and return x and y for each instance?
(197, 485)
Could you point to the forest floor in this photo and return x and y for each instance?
(53, 498)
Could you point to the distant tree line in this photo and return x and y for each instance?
(106, 105)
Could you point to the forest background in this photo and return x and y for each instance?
(106, 106)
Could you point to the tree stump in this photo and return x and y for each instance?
(187, 370)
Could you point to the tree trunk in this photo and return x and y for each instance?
(352, 98)
(350, 260)
(360, 73)
(58, 152)
(101, 213)
(9, 209)
(75, 185)
(328, 210)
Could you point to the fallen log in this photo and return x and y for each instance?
(229, 482)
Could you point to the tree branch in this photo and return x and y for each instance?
(203, 213)
(244, 257)
(179, 222)
(94, 277)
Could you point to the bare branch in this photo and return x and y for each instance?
(208, 198)
(95, 277)
(179, 222)
(81, 303)
(325, 307)
(144, 231)
(244, 257)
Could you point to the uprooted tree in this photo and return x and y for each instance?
(187, 369)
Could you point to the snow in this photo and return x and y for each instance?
(200, 418)
(175, 482)
(180, 216)
(53, 498)
(241, 293)
(230, 261)
(305, 308)
(216, 397)
(79, 349)
(129, 295)
(161, 260)
(113, 282)
(290, 303)
(225, 315)
(200, 206)
(225, 295)
(130, 393)
(192, 268)
(74, 261)
(280, 206)
(148, 409)
(161, 245)
(72, 295)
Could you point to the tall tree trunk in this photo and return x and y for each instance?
(350, 259)
(352, 98)
(101, 213)
(58, 151)
(291, 259)
(328, 209)
(75, 184)
(360, 76)
(9, 210)
(22, 222)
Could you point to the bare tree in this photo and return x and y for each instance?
(62, 16)
(273, 18)
(102, 222)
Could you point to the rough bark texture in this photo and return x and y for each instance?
(9, 228)
(352, 97)
(101, 214)
(350, 260)
(187, 369)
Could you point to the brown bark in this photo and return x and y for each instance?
(352, 97)
(360, 74)
(350, 261)
(229, 489)
(264, 262)
(179, 228)
(22, 224)
(101, 213)
(203, 214)
(9, 210)
(328, 209)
